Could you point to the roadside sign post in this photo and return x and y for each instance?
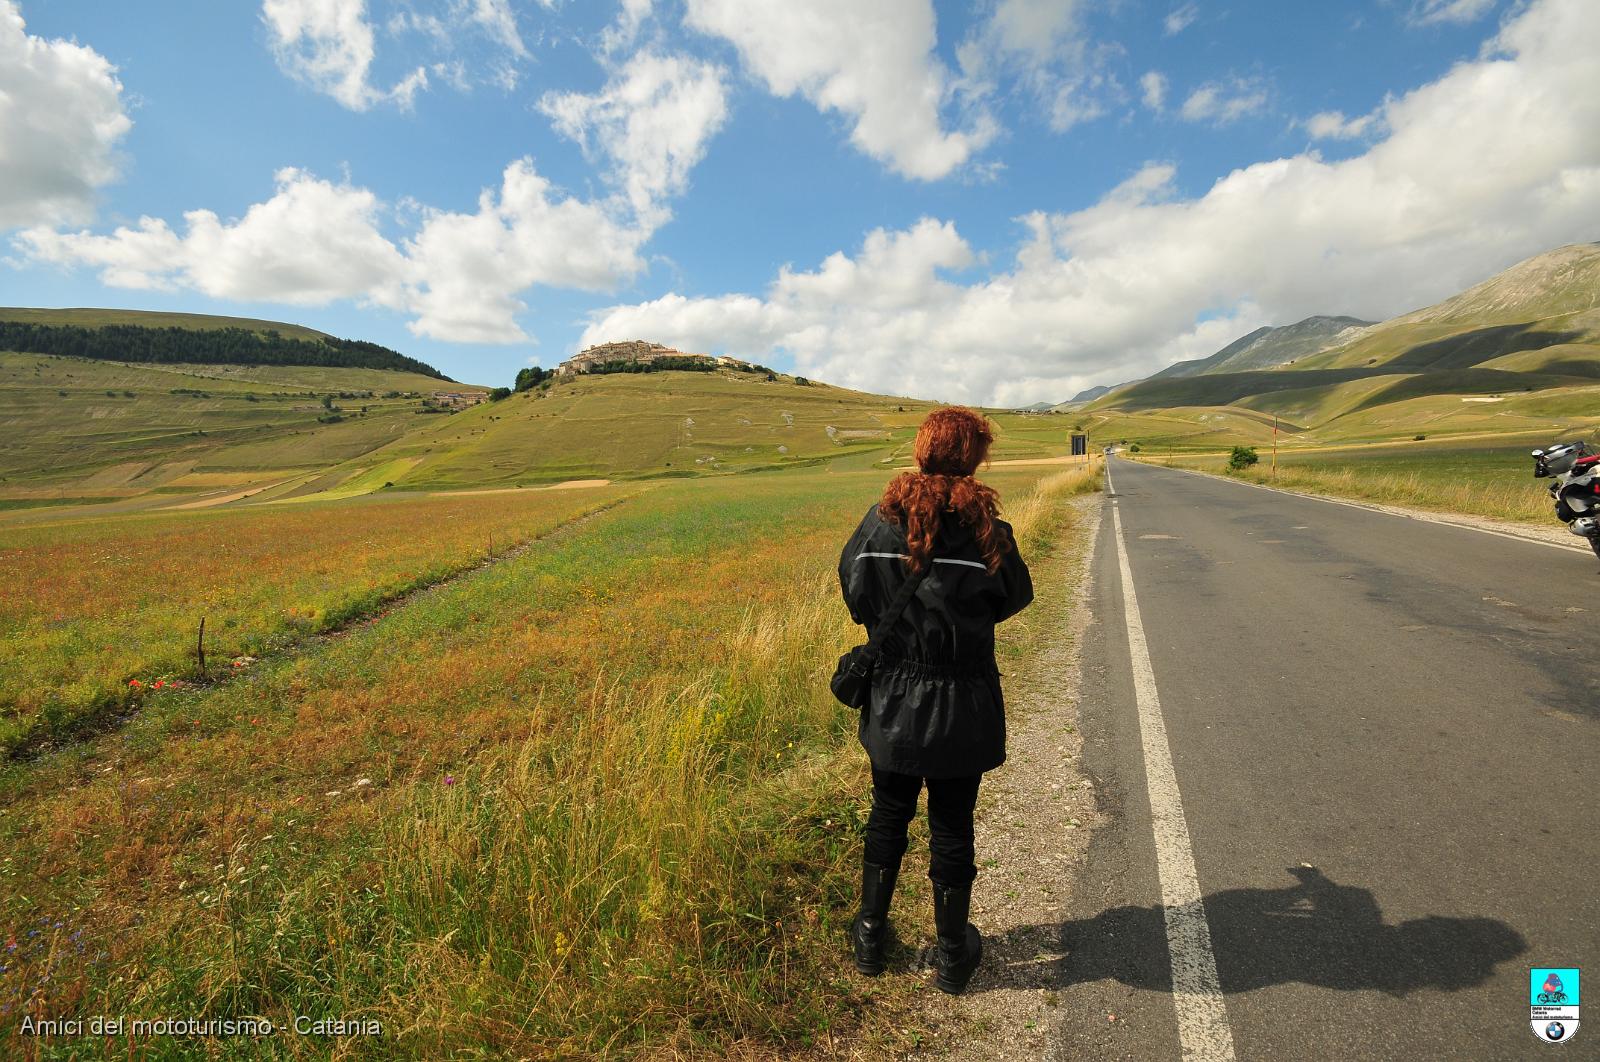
(1274, 447)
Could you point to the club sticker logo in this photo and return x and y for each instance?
(1553, 1003)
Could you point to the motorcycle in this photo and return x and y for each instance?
(1576, 490)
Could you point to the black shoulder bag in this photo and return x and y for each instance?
(852, 679)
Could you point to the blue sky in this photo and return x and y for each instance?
(1000, 201)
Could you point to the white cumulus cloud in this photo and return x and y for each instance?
(327, 44)
(467, 270)
(1043, 47)
(1426, 12)
(61, 117)
(497, 19)
(1154, 87)
(313, 241)
(624, 31)
(331, 46)
(1181, 18)
(652, 119)
(872, 63)
(1222, 102)
(1333, 125)
(1496, 160)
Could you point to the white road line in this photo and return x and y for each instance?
(1422, 517)
(1203, 1030)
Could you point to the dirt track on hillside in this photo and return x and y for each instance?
(571, 484)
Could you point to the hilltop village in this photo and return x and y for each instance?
(640, 352)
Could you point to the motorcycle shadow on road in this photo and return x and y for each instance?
(1315, 932)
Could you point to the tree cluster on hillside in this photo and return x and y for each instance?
(528, 379)
(221, 346)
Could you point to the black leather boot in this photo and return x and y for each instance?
(869, 933)
(960, 944)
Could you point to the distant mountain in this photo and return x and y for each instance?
(1525, 335)
(1093, 393)
(1268, 348)
(199, 339)
(1084, 397)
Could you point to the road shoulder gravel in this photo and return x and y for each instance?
(1036, 814)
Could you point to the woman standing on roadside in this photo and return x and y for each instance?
(935, 715)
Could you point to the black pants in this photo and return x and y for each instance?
(950, 805)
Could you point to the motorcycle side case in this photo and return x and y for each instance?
(1558, 460)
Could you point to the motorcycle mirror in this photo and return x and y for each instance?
(1538, 453)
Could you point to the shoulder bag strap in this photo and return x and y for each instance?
(902, 598)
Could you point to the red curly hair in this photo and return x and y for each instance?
(951, 443)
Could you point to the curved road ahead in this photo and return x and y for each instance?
(1385, 739)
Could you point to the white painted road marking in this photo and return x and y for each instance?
(1203, 1030)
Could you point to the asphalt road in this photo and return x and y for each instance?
(1386, 736)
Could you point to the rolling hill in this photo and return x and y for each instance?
(90, 317)
(1518, 352)
(77, 428)
(117, 436)
(173, 338)
(140, 436)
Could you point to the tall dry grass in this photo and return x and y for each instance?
(1516, 500)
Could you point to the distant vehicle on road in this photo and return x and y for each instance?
(1576, 490)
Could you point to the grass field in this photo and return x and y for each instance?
(77, 428)
(94, 607)
(592, 799)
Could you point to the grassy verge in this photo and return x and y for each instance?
(1492, 482)
(594, 800)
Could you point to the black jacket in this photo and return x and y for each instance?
(936, 709)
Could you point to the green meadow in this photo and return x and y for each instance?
(79, 430)
(102, 615)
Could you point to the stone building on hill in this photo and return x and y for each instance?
(458, 399)
(636, 350)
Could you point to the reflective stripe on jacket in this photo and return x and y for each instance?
(936, 709)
